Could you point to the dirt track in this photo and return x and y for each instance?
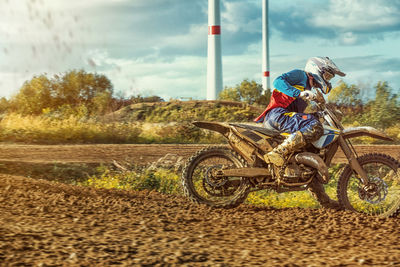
(137, 154)
(44, 224)
(47, 224)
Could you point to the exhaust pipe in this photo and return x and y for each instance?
(315, 162)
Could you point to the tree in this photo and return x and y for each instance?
(34, 96)
(72, 89)
(247, 91)
(4, 105)
(78, 87)
(384, 111)
(229, 93)
(345, 95)
(250, 92)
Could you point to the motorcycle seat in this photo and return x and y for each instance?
(269, 132)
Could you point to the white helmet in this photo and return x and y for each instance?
(322, 70)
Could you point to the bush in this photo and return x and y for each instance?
(247, 91)
(168, 182)
(161, 180)
(178, 112)
(45, 130)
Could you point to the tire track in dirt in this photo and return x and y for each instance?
(44, 223)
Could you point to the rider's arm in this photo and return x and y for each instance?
(285, 82)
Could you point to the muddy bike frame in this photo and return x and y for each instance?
(344, 134)
(252, 151)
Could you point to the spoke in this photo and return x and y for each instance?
(207, 186)
(382, 195)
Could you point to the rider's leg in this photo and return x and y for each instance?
(304, 128)
(278, 154)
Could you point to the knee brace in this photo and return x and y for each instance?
(313, 132)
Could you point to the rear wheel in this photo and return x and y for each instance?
(382, 194)
(202, 185)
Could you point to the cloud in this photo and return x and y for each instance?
(160, 46)
(375, 63)
(52, 36)
(181, 77)
(241, 16)
(145, 27)
(193, 42)
(241, 25)
(136, 26)
(356, 22)
(367, 71)
(359, 16)
(346, 22)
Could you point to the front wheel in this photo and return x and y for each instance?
(202, 185)
(381, 196)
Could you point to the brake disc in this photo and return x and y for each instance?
(375, 192)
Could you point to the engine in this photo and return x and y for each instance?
(297, 172)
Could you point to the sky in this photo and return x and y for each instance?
(159, 47)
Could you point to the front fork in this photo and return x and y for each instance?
(354, 164)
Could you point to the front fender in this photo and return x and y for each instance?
(365, 131)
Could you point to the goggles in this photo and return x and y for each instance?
(327, 76)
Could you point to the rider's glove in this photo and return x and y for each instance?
(318, 114)
(308, 95)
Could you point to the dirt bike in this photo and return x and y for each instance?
(223, 176)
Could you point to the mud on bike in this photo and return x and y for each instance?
(223, 176)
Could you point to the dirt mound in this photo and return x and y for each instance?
(44, 223)
(139, 111)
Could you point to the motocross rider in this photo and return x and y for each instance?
(288, 102)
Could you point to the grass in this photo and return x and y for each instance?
(43, 130)
(160, 180)
(166, 123)
(75, 130)
(168, 182)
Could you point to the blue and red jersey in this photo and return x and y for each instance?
(286, 94)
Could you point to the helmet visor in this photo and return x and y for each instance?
(328, 76)
(324, 85)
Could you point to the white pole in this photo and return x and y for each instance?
(265, 47)
(214, 66)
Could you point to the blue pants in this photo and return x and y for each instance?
(284, 121)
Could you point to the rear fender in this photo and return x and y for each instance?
(365, 131)
(214, 126)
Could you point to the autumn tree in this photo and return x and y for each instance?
(33, 96)
(384, 110)
(4, 105)
(74, 89)
(247, 91)
(345, 95)
(230, 93)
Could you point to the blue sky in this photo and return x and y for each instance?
(159, 47)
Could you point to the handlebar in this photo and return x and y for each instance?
(324, 109)
(320, 100)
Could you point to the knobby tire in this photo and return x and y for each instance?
(187, 182)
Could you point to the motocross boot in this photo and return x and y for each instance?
(291, 144)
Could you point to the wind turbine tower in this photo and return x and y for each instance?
(265, 47)
(214, 66)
